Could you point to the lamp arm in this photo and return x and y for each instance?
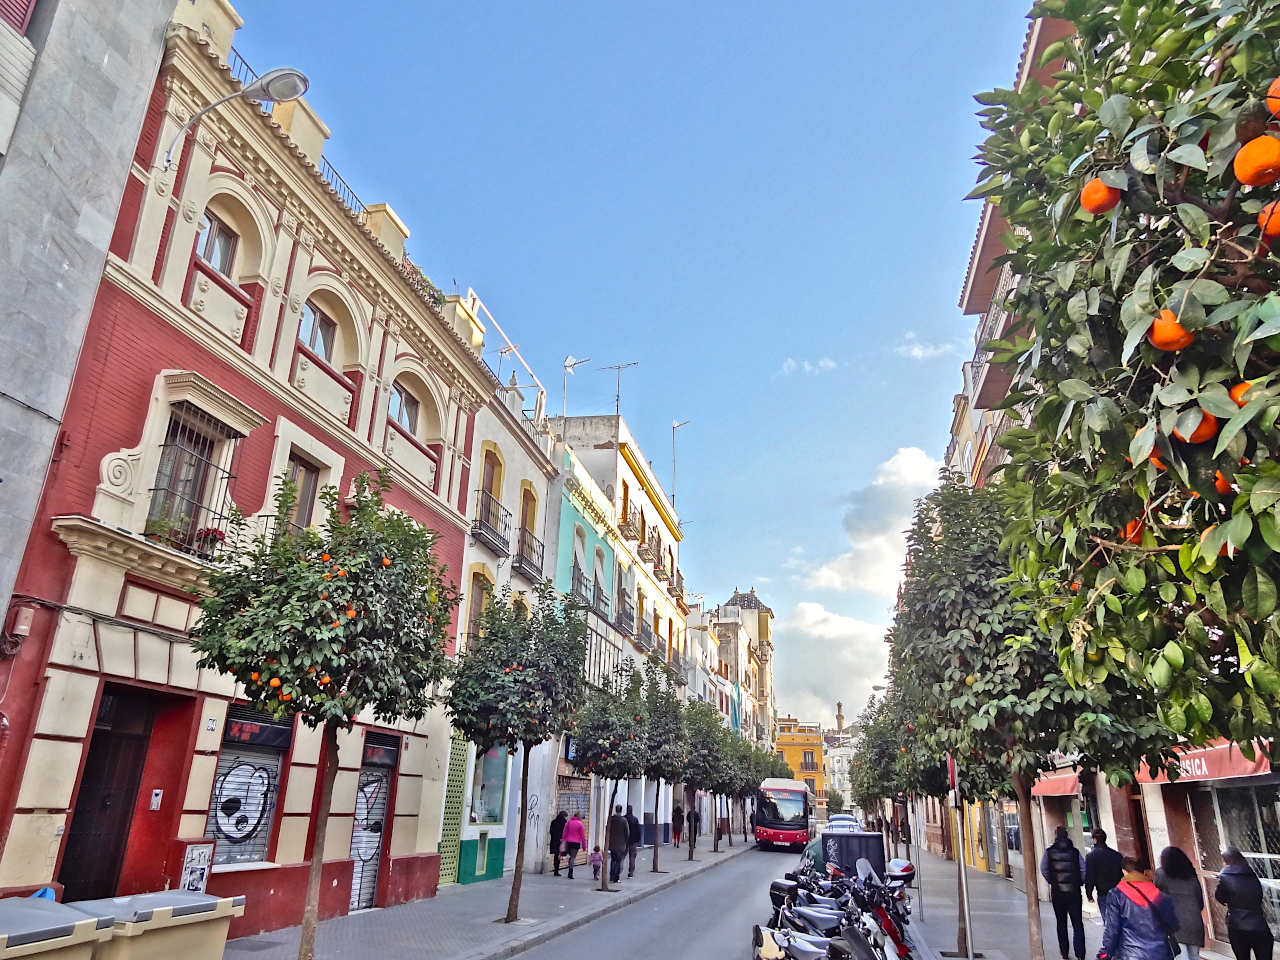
(191, 121)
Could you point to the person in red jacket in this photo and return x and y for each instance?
(1139, 919)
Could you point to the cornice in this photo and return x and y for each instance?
(641, 470)
(86, 537)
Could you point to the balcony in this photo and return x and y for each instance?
(677, 585)
(599, 599)
(492, 525)
(809, 766)
(678, 664)
(629, 523)
(626, 622)
(660, 570)
(646, 640)
(650, 547)
(528, 558)
(580, 586)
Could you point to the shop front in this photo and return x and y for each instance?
(482, 851)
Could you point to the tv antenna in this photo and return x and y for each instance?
(675, 425)
(569, 363)
(617, 397)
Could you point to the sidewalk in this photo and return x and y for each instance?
(463, 921)
(999, 913)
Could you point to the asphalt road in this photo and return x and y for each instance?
(708, 917)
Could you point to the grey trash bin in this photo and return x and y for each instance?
(32, 927)
(165, 926)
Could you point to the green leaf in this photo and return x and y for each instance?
(1144, 299)
(1217, 401)
(1189, 155)
(1239, 422)
(1238, 529)
(1167, 592)
(1258, 593)
(1195, 220)
(1266, 491)
(1192, 258)
(1140, 156)
(1078, 307)
(1076, 390)
(1114, 114)
(1115, 178)
(1267, 527)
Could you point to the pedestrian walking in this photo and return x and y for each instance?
(692, 822)
(1176, 878)
(1103, 869)
(557, 838)
(618, 837)
(1240, 889)
(1140, 920)
(1063, 867)
(574, 839)
(677, 823)
(633, 841)
(597, 860)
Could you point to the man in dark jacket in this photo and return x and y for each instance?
(1063, 867)
(1240, 889)
(633, 841)
(1103, 869)
(619, 837)
(557, 834)
(1138, 919)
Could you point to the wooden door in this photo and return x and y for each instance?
(108, 794)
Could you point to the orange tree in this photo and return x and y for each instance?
(703, 762)
(608, 737)
(322, 624)
(665, 743)
(1144, 482)
(977, 679)
(518, 684)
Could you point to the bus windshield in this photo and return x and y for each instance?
(783, 807)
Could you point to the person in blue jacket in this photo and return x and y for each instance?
(1139, 919)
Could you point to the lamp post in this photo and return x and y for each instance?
(275, 86)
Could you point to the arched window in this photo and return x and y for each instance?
(477, 599)
(327, 329)
(528, 510)
(228, 241)
(402, 408)
(491, 475)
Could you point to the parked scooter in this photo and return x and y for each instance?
(771, 944)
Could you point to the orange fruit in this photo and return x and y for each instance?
(1221, 483)
(1239, 390)
(1207, 427)
(351, 614)
(286, 696)
(275, 681)
(1075, 586)
(324, 596)
(1097, 197)
(254, 675)
(1269, 219)
(336, 623)
(1257, 163)
(324, 557)
(1273, 97)
(342, 573)
(386, 561)
(328, 576)
(324, 680)
(1132, 532)
(1167, 333)
(1159, 464)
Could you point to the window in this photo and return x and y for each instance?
(489, 786)
(191, 499)
(245, 785)
(402, 407)
(479, 596)
(216, 244)
(809, 782)
(307, 479)
(316, 332)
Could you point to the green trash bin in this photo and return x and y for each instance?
(170, 925)
(32, 927)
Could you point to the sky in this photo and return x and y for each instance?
(758, 202)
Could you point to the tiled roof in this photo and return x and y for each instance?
(747, 601)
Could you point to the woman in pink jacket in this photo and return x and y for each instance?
(574, 839)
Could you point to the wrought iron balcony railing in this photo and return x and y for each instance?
(580, 585)
(626, 621)
(676, 589)
(492, 525)
(528, 559)
(650, 547)
(661, 570)
(600, 599)
(629, 523)
(646, 638)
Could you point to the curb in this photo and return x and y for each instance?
(519, 946)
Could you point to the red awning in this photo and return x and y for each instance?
(1060, 783)
(1218, 761)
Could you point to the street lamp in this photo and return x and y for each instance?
(275, 86)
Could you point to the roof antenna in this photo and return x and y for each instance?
(617, 397)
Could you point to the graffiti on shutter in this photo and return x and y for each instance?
(367, 834)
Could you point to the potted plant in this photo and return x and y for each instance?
(158, 529)
(208, 540)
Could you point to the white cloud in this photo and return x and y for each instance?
(913, 348)
(876, 520)
(823, 657)
(809, 367)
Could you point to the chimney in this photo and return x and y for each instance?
(299, 121)
(215, 20)
(387, 227)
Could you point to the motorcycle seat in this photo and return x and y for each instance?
(822, 920)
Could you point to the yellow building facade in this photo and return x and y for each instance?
(801, 745)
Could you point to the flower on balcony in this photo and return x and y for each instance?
(208, 535)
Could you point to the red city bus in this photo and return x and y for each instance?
(784, 813)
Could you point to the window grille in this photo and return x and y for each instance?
(191, 500)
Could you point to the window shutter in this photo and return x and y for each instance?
(17, 13)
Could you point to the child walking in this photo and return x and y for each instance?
(597, 860)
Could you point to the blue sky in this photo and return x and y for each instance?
(759, 202)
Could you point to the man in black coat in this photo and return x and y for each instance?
(618, 837)
(633, 841)
(1240, 889)
(557, 834)
(1063, 867)
(1103, 868)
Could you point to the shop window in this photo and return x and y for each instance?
(245, 786)
(1012, 826)
(216, 244)
(489, 786)
(316, 332)
(191, 500)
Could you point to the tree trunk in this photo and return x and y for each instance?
(311, 910)
(657, 800)
(1022, 787)
(513, 904)
(744, 820)
(962, 929)
(607, 858)
(690, 833)
(728, 818)
(715, 834)
(1004, 839)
